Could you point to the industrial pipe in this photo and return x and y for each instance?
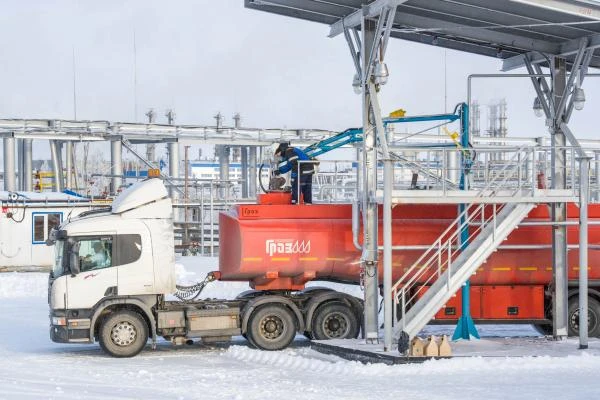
(173, 148)
(252, 176)
(9, 164)
(20, 179)
(69, 164)
(27, 164)
(116, 165)
(56, 165)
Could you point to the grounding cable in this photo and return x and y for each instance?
(191, 293)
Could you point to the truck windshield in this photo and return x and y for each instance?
(59, 259)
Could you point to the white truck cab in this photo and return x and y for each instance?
(122, 253)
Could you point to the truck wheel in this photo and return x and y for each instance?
(593, 317)
(271, 327)
(123, 334)
(334, 321)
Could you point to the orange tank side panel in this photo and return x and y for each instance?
(272, 250)
(498, 302)
(512, 302)
(284, 246)
(452, 309)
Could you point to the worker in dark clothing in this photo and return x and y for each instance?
(300, 170)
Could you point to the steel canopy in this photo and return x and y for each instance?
(507, 29)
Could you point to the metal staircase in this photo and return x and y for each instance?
(460, 250)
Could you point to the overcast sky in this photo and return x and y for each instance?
(200, 57)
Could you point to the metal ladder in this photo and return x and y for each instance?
(459, 251)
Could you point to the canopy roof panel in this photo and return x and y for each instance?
(506, 29)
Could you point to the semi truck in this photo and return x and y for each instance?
(114, 270)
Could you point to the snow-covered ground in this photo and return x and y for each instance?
(32, 367)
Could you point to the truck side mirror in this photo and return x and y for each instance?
(74, 259)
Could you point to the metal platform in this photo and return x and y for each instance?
(357, 350)
(477, 197)
(488, 347)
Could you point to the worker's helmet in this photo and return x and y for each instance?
(281, 148)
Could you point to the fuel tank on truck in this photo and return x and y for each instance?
(281, 247)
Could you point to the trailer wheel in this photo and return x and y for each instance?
(271, 327)
(123, 334)
(593, 317)
(334, 321)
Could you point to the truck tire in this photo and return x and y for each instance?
(593, 317)
(271, 327)
(123, 334)
(334, 321)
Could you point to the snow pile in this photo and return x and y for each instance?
(23, 284)
(39, 368)
(301, 360)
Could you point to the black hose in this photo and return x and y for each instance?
(260, 178)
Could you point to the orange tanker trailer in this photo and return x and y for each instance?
(281, 247)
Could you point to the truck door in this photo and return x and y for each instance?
(98, 275)
(133, 256)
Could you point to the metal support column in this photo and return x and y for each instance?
(224, 152)
(173, 149)
(370, 219)
(584, 167)
(597, 174)
(559, 210)
(69, 164)
(245, 177)
(116, 165)
(9, 164)
(56, 165)
(388, 186)
(465, 328)
(20, 178)
(252, 177)
(27, 164)
(252, 173)
(237, 123)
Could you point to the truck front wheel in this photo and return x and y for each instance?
(334, 321)
(123, 334)
(271, 327)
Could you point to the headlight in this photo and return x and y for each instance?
(59, 321)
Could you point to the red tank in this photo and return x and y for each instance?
(281, 247)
